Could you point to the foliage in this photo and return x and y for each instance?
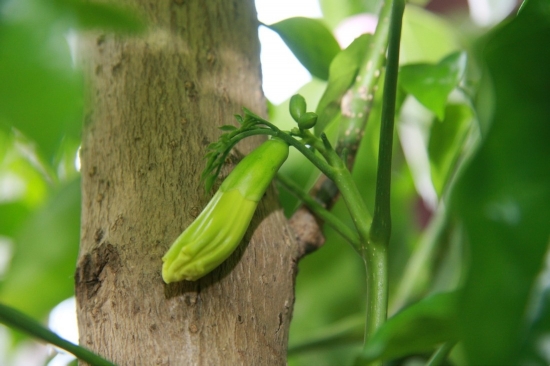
(467, 266)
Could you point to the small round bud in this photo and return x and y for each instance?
(297, 106)
(307, 120)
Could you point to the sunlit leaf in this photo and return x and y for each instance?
(432, 84)
(417, 328)
(343, 70)
(310, 41)
(503, 198)
(22, 179)
(45, 251)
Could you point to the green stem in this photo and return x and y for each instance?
(376, 263)
(322, 213)
(17, 320)
(322, 165)
(376, 252)
(381, 224)
(441, 354)
(356, 206)
(375, 256)
(355, 114)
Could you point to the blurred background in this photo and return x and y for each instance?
(39, 168)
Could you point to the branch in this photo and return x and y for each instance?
(17, 320)
(357, 108)
(319, 211)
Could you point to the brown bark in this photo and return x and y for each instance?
(155, 102)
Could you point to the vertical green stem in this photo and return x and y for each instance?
(376, 262)
(380, 231)
(381, 225)
(358, 101)
(375, 238)
(375, 256)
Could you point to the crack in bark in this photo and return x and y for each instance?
(88, 272)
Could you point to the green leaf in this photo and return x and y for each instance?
(336, 11)
(417, 328)
(349, 330)
(446, 142)
(310, 41)
(503, 197)
(425, 37)
(12, 214)
(94, 15)
(432, 84)
(343, 70)
(23, 180)
(534, 347)
(41, 270)
(40, 92)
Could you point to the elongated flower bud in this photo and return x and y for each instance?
(220, 227)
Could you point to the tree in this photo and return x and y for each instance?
(155, 104)
(469, 188)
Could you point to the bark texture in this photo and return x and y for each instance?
(154, 104)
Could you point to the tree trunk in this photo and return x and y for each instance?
(154, 104)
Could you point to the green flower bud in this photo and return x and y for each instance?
(307, 120)
(297, 106)
(220, 227)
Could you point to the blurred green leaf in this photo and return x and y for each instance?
(446, 142)
(425, 37)
(349, 330)
(21, 176)
(432, 84)
(65, 160)
(534, 348)
(503, 197)
(417, 328)
(40, 92)
(12, 215)
(5, 144)
(45, 251)
(93, 15)
(310, 41)
(336, 11)
(41, 89)
(343, 70)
